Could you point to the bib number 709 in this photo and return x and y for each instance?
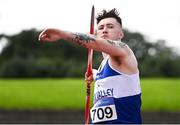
(103, 113)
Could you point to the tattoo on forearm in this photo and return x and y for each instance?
(111, 42)
(82, 39)
(120, 44)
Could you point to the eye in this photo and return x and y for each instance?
(100, 27)
(110, 26)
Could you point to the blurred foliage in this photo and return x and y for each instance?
(24, 56)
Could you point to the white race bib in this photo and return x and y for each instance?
(104, 110)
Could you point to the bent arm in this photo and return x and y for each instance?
(110, 47)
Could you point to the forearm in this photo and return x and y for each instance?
(114, 48)
(108, 46)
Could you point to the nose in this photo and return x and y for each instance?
(105, 30)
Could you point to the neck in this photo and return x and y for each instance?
(104, 55)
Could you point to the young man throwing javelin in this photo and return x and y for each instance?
(117, 92)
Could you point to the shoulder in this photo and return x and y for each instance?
(127, 64)
(123, 46)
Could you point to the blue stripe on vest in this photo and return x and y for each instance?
(106, 72)
(128, 110)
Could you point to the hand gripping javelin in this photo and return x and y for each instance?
(89, 70)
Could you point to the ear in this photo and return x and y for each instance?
(121, 34)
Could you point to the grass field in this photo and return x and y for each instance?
(157, 94)
(161, 94)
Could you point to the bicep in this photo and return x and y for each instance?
(113, 48)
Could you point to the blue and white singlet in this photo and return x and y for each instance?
(117, 96)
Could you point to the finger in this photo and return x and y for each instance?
(42, 34)
(88, 81)
(89, 78)
(43, 37)
(86, 74)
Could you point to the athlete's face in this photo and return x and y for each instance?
(109, 28)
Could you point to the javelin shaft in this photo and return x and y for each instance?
(89, 70)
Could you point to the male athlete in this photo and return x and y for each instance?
(117, 92)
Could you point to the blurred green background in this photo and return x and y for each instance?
(49, 76)
(23, 56)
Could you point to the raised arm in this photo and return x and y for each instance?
(113, 48)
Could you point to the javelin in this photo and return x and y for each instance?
(89, 70)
